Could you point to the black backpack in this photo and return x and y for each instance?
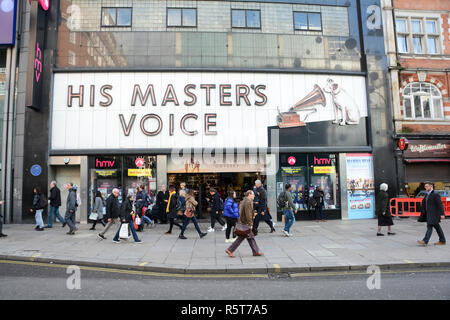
(42, 202)
(281, 200)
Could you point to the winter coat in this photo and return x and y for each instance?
(55, 197)
(160, 197)
(246, 212)
(382, 206)
(112, 207)
(173, 206)
(432, 208)
(260, 201)
(231, 208)
(98, 207)
(71, 204)
(215, 204)
(36, 199)
(318, 197)
(290, 203)
(190, 202)
(125, 211)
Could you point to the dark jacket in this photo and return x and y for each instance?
(260, 200)
(125, 211)
(231, 208)
(173, 206)
(382, 204)
(36, 199)
(215, 204)
(112, 207)
(318, 197)
(55, 197)
(160, 197)
(71, 204)
(432, 208)
(246, 212)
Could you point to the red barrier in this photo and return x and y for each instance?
(411, 207)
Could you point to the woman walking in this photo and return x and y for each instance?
(98, 209)
(191, 204)
(231, 214)
(382, 210)
(246, 215)
(172, 209)
(38, 208)
(126, 211)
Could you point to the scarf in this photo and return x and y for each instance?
(168, 204)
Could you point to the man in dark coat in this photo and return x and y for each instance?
(432, 210)
(112, 211)
(382, 210)
(55, 203)
(260, 205)
(71, 208)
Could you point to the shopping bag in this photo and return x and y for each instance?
(137, 220)
(123, 231)
(93, 216)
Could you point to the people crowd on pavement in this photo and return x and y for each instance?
(179, 208)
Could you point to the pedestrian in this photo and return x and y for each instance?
(159, 209)
(288, 210)
(55, 203)
(260, 206)
(246, 215)
(318, 197)
(71, 208)
(38, 208)
(171, 210)
(215, 205)
(141, 204)
(98, 209)
(2, 235)
(231, 214)
(382, 210)
(432, 210)
(112, 211)
(147, 201)
(126, 216)
(191, 204)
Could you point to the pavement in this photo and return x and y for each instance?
(314, 246)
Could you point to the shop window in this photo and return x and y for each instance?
(181, 17)
(105, 175)
(307, 21)
(246, 19)
(422, 101)
(139, 170)
(323, 173)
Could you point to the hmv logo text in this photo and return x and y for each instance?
(321, 161)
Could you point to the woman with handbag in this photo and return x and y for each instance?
(126, 211)
(244, 226)
(189, 214)
(97, 211)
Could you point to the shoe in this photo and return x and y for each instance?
(224, 227)
(229, 253)
(228, 240)
(139, 241)
(181, 237)
(391, 233)
(258, 254)
(47, 226)
(71, 233)
(210, 229)
(286, 233)
(37, 227)
(3, 235)
(380, 234)
(423, 243)
(440, 243)
(93, 228)
(234, 239)
(323, 220)
(317, 220)
(101, 236)
(203, 234)
(116, 241)
(40, 229)
(272, 230)
(64, 224)
(168, 232)
(290, 234)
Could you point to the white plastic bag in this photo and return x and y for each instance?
(93, 216)
(137, 220)
(123, 231)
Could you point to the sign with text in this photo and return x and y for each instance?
(428, 149)
(189, 109)
(8, 10)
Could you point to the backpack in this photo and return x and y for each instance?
(281, 200)
(221, 204)
(42, 202)
(179, 206)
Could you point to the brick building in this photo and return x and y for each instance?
(419, 64)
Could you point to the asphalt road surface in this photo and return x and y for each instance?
(29, 280)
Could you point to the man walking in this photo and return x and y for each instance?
(71, 208)
(288, 210)
(55, 203)
(260, 204)
(112, 211)
(215, 211)
(432, 210)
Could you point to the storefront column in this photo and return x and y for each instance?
(343, 184)
(161, 171)
(84, 190)
(271, 172)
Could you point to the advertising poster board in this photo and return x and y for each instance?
(360, 186)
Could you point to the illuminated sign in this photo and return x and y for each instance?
(139, 172)
(324, 170)
(291, 160)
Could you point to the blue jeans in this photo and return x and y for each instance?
(133, 231)
(144, 218)
(289, 219)
(319, 213)
(186, 222)
(38, 217)
(50, 216)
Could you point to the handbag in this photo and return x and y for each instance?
(123, 231)
(189, 212)
(242, 230)
(93, 216)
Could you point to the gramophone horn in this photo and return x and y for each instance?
(313, 98)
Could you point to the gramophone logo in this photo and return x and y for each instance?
(345, 109)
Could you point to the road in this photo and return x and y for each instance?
(29, 280)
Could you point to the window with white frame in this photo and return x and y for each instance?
(418, 35)
(422, 100)
(71, 58)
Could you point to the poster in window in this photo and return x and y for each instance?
(360, 186)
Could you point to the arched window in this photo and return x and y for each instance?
(422, 100)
